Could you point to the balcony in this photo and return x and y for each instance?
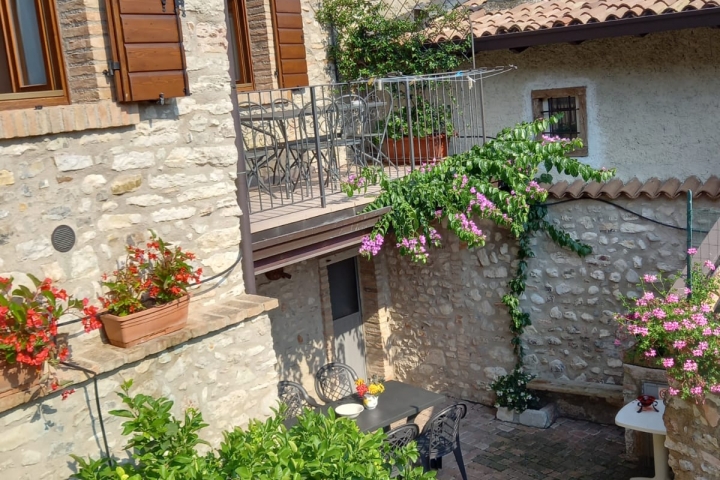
(301, 145)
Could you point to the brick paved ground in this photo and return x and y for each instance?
(569, 449)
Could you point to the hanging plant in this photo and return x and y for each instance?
(499, 181)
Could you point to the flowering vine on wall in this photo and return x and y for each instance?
(498, 181)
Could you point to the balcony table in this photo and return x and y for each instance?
(650, 422)
(399, 401)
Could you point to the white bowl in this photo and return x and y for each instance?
(349, 410)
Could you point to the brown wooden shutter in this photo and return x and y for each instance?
(148, 55)
(289, 44)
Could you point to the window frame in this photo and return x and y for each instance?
(239, 21)
(54, 62)
(539, 97)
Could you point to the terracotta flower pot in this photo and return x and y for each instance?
(424, 149)
(136, 328)
(17, 377)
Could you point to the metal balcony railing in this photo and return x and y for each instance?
(300, 145)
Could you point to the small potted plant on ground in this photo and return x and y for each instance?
(430, 125)
(29, 332)
(370, 391)
(148, 295)
(516, 404)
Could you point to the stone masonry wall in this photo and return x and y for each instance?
(448, 329)
(228, 375)
(693, 432)
(297, 324)
(170, 168)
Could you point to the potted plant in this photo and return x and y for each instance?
(29, 332)
(516, 404)
(148, 295)
(679, 331)
(430, 125)
(369, 392)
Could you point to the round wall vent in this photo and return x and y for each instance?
(63, 238)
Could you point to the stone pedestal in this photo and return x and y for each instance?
(541, 418)
(693, 433)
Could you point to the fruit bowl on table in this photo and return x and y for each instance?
(349, 410)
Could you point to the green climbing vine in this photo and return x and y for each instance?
(499, 181)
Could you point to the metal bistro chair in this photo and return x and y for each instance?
(441, 437)
(295, 397)
(335, 381)
(261, 143)
(397, 438)
(325, 119)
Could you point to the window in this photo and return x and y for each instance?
(31, 69)
(241, 45)
(572, 104)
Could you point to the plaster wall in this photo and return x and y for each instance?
(651, 101)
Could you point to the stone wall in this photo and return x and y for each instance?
(228, 375)
(448, 330)
(112, 171)
(693, 432)
(297, 324)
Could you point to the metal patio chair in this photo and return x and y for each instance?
(397, 438)
(261, 143)
(335, 381)
(295, 397)
(441, 437)
(323, 116)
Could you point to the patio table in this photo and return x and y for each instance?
(399, 401)
(648, 421)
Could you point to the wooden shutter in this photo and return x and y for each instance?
(147, 49)
(289, 44)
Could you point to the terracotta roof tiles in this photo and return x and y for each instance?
(652, 188)
(553, 14)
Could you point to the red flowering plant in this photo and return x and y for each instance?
(149, 277)
(678, 330)
(29, 322)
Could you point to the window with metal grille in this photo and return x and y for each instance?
(31, 69)
(572, 105)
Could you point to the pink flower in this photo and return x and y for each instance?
(692, 251)
(672, 298)
(707, 332)
(659, 313)
(617, 342)
(710, 265)
(650, 279)
(671, 326)
(679, 344)
(715, 388)
(705, 308)
(673, 391)
(690, 366)
(371, 246)
(696, 390)
(668, 362)
(697, 352)
(651, 353)
(648, 296)
(688, 291)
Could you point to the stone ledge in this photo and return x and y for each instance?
(596, 390)
(66, 118)
(102, 357)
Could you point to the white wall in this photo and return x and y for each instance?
(653, 103)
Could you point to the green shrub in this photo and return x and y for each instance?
(317, 447)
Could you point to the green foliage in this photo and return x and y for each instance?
(317, 447)
(371, 40)
(427, 120)
(512, 393)
(498, 181)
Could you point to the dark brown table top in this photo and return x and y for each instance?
(398, 402)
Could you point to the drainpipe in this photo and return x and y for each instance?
(241, 186)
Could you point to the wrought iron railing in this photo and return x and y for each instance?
(300, 145)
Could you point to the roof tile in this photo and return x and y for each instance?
(551, 13)
(652, 188)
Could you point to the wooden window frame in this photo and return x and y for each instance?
(239, 22)
(580, 93)
(53, 59)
